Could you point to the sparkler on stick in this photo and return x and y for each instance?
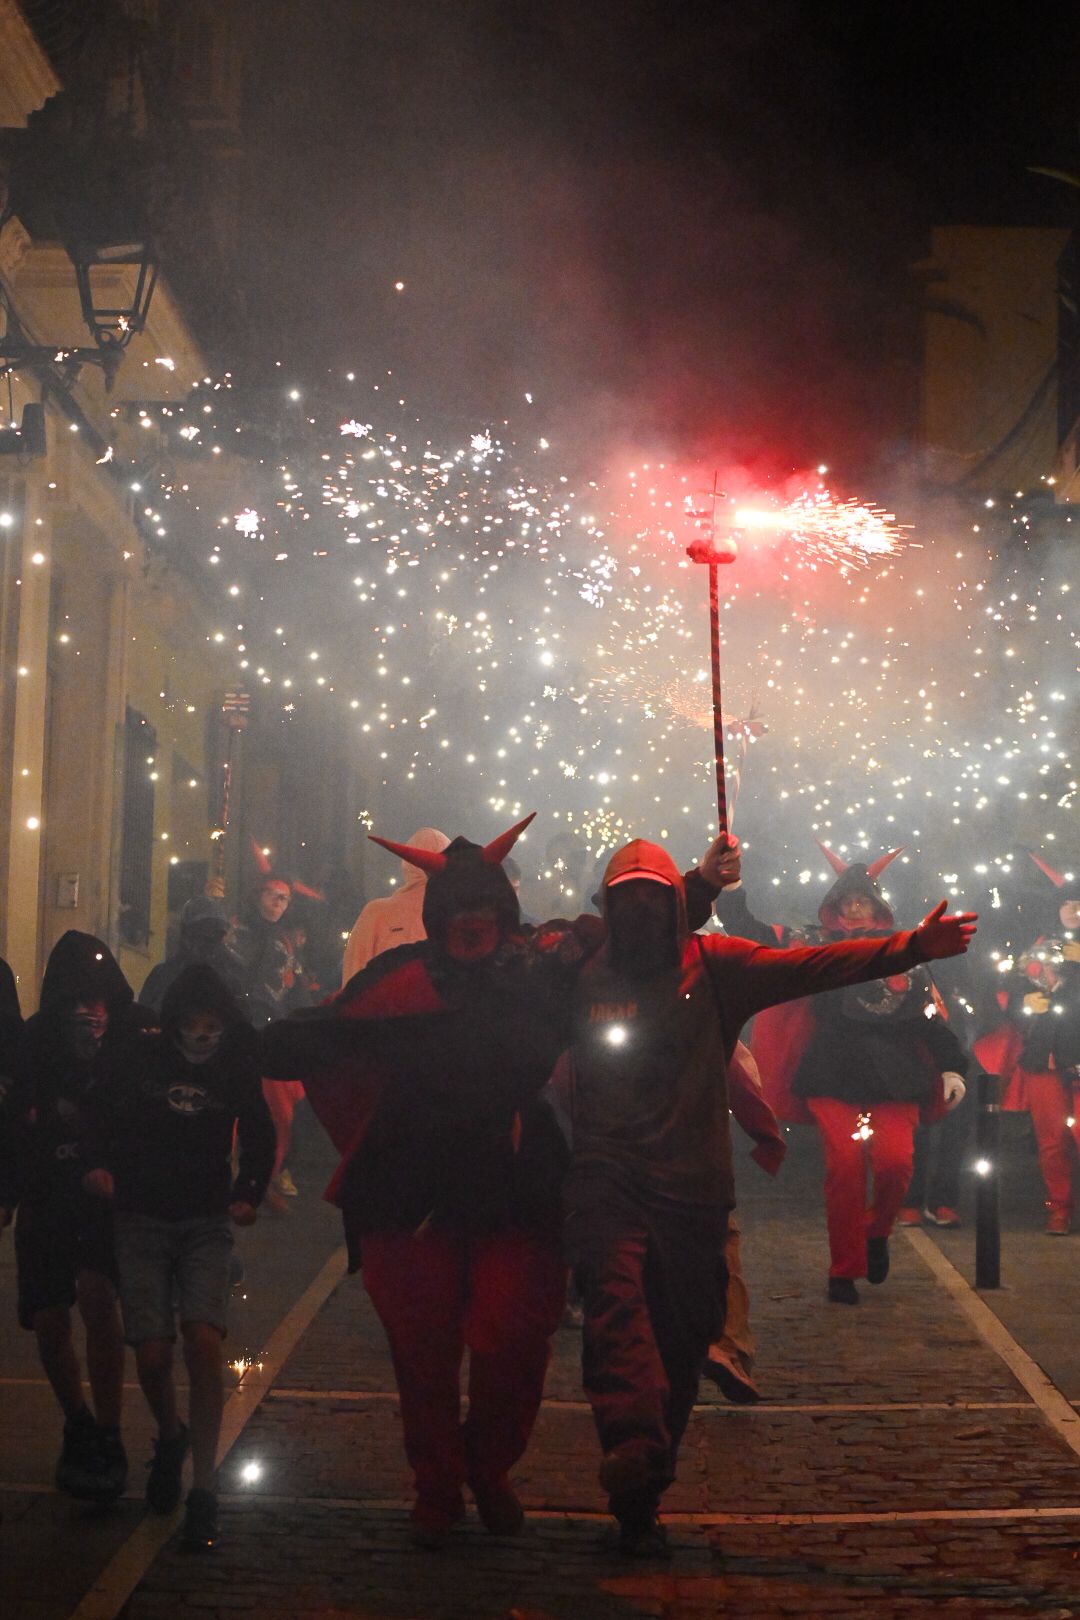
(714, 552)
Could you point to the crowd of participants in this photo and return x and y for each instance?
(510, 1101)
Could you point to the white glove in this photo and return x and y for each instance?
(954, 1088)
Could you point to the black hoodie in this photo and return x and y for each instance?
(44, 1118)
(163, 1125)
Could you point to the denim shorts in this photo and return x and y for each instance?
(170, 1268)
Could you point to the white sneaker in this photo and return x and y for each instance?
(284, 1184)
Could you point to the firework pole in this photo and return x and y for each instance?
(713, 552)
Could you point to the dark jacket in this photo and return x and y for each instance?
(871, 1043)
(196, 944)
(650, 1106)
(163, 1126)
(45, 1115)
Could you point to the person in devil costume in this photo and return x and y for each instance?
(1036, 1046)
(865, 1064)
(427, 1071)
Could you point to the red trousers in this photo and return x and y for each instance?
(890, 1151)
(1050, 1105)
(501, 1295)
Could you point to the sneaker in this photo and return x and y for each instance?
(643, 1539)
(733, 1382)
(430, 1524)
(79, 1470)
(877, 1259)
(285, 1185)
(1058, 1220)
(200, 1532)
(163, 1487)
(500, 1512)
(114, 1462)
(912, 1217)
(842, 1291)
(944, 1216)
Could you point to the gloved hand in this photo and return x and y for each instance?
(1036, 1002)
(954, 1089)
(721, 864)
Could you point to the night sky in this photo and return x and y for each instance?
(674, 224)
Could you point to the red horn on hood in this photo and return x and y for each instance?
(428, 860)
(838, 865)
(261, 861)
(1056, 878)
(875, 869)
(312, 894)
(500, 847)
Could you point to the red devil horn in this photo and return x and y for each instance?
(428, 860)
(312, 894)
(261, 861)
(500, 847)
(1056, 878)
(833, 859)
(875, 869)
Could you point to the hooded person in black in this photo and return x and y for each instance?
(10, 1033)
(866, 1066)
(203, 927)
(63, 1239)
(163, 1117)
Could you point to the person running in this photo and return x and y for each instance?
(864, 1064)
(650, 1184)
(162, 1118)
(63, 1239)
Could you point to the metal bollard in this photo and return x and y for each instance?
(987, 1182)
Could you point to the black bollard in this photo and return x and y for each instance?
(987, 1182)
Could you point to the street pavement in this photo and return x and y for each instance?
(898, 1466)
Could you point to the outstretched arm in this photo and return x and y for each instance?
(763, 977)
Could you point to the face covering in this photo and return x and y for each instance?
(199, 1048)
(84, 1032)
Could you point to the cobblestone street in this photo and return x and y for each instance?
(897, 1466)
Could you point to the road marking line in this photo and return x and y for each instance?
(1058, 1412)
(126, 1568)
(389, 1504)
(702, 1409)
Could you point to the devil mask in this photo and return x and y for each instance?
(465, 878)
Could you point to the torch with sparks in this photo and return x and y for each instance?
(714, 552)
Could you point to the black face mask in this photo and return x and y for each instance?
(639, 948)
(83, 1034)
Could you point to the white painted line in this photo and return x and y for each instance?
(1058, 1412)
(985, 1515)
(126, 1568)
(702, 1409)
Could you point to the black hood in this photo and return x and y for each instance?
(468, 881)
(198, 989)
(9, 996)
(82, 968)
(203, 913)
(855, 880)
